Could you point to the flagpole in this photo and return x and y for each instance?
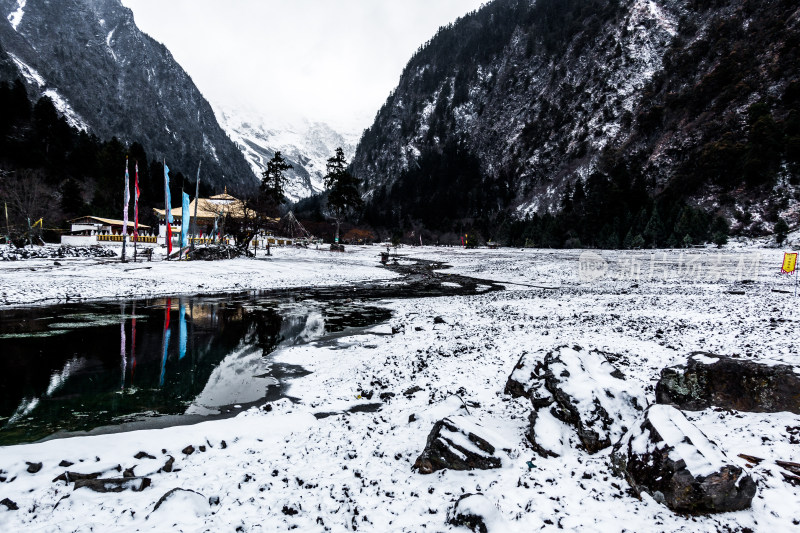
(125, 200)
(183, 214)
(167, 210)
(196, 201)
(136, 212)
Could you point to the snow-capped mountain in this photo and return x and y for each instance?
(306, 145)
(107, 77)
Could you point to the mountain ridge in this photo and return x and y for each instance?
(107, 76)
(527, 101)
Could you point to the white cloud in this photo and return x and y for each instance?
(330, 60)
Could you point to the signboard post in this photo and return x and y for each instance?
(790, 267)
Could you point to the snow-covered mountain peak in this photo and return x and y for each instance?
(306, 144)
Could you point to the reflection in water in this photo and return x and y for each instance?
(83, 366)
(182, 331)
(122, 343)
(165, 341)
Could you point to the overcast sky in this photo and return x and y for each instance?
(330, 60)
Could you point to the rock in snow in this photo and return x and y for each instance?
(712, 380)
(527, 380)
(579, 388)
(136, 484)
(474, 512)
(669, 458)
(182, 503)
(457, 443)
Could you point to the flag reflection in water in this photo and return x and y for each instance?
(165, 341)
(182, 331)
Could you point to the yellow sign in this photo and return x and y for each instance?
(789, 263)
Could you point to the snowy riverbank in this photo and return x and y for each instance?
(284, 467)
(42, 281)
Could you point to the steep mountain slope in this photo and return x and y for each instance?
(517, 104)
(305, 145)
(108, 77)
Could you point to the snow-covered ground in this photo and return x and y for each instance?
(43, 281)
(281, 467)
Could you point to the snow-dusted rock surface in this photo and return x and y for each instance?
(580, 388)
(476, 513)
(708, 380)
(668, 457)
(458, 443)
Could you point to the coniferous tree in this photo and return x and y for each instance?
(273, 181)
(72, 203)
(781, 229)
(342, 186)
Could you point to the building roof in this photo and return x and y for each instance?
(224, 196)
(107, 221)
(206, 208)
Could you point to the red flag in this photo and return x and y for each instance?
(169, 238)
(136, 205)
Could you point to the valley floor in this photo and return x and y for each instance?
(282, 467)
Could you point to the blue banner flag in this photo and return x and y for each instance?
(167, 203)
(185, 216)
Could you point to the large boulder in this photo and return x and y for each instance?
(578, 389)
(712, 380)
(669, 458)
(457, 443)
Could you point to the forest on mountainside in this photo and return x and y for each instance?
(601, 124)
(50, 170)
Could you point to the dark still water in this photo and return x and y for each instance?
(152, 363)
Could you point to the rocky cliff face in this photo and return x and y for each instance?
(693, 98)
(106, 76)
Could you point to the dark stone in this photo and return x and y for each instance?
(712, 380)
(136, 484)
(10, 505)
(669, 458)
(385, 396)
(223, 445)
(171, 493)
(168, 465)
(71, 477)
(65, 464)
(290, 511)
(366, 394)
(442, 450)
(143, 455)
(33, 468)
(439, 320)
(472, 511)
(189, 450)
(411, 391)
